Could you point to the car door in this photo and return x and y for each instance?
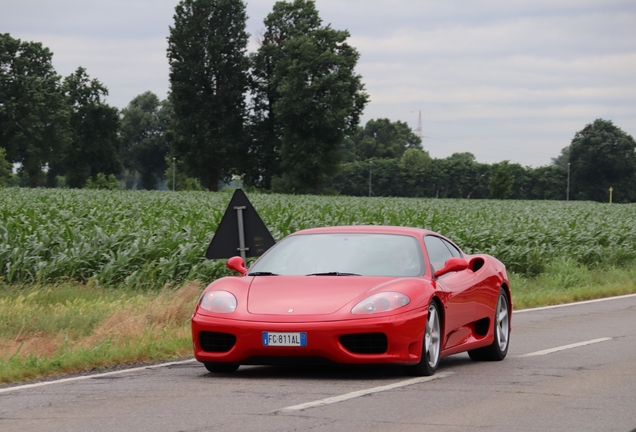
(460, 289)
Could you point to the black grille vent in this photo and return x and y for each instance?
(365, 343)
(216, 342)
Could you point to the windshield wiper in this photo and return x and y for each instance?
(262, 274)
(333, 274)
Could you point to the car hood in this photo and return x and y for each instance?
(312, 295)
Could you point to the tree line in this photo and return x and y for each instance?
(284, 118)
(46, 121)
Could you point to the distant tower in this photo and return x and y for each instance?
(418, 129)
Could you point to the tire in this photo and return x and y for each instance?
(431, 345)
(499, 348)
(221, 367)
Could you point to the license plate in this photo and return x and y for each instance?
(284, 339)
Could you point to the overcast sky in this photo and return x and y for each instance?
(504, 80)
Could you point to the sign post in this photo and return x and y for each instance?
(241, 230)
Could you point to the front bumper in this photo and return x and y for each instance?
(404, 336)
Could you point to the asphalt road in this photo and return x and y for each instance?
(568, 369)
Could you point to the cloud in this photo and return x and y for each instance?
(501, 79)
(127, 67)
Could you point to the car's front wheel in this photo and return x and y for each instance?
(431, 347)
(499, 348)
(221, 367)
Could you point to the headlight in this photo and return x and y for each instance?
(218, 302)
(381, 302)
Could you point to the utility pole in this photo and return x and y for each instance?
(174, 172)
(370, 165)
(567, 195)
(418, 129)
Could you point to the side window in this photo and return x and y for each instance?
(453, 250)
(438, 253)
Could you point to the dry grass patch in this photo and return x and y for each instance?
(151, 318)
(37, 344)
(47, 330)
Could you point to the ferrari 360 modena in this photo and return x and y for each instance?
(356, 295)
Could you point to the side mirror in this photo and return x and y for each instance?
(454, 264)
(237, 264)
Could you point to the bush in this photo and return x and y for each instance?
(103, 182)
(182, 182)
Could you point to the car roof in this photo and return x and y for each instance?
(371, 229)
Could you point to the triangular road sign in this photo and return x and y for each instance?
(240, 224)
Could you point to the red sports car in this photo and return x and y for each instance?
(356, 295)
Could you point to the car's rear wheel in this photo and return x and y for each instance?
(431, 347)
(499, 348)
(221, 367)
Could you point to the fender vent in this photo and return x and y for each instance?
(481, 326)
(216, 342)
(365, 343)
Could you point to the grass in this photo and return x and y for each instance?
(566, 281)
(48, 330)
(70, 327)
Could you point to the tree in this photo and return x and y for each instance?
(262, 159)
(458, 176)
(548, 183)
(382, 138)
(317, 98)
(321, 100)
(5, 169)
(144, 123)
(94, 147)
(208, 80)
(33, 111)
(387, 179)
(501, 182)
(416, 165)
(563, 159)
(603, 156)
(522, 180)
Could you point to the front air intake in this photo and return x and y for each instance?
(216, 342)
(365, 343)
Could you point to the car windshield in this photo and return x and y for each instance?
(365, 254)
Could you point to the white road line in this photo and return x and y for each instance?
(359, 393)
(574, 304)
(565, 347)
(84, 377)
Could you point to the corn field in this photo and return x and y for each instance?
(150, 239)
